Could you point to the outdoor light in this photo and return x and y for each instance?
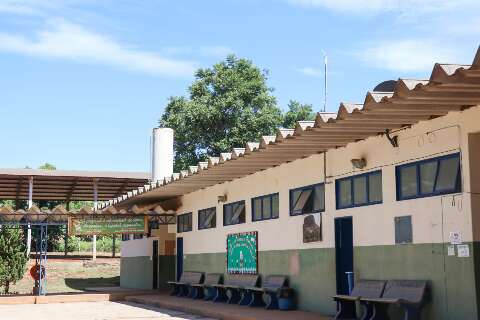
(222, 198)
(359, 163)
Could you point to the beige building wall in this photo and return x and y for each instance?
(163, 233)
(433, 218)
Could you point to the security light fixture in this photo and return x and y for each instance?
(359, 163)
(222, 198)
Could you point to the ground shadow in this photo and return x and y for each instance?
(82, 283)
(171, 313)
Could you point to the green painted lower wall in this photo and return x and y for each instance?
(312, 273)
(136, 272)
(452, 279)
(166, 270)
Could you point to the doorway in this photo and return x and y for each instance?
(155, 264)
(343, 252)
(179, 258)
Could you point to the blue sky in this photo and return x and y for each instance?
(83, 82)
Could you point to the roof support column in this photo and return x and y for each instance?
(95, 207)
(30, 204)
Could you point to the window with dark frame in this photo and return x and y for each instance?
(137, 236)
(234, 213)
(207, 218)
(125, 237)
(184, 222)
(265, 207)
(359, 190)
(430, 177)
(403, 229)
(308, 199)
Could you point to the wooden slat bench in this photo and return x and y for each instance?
(180, 288)
(235, 285)
(362, 289)
(273, 287)
(408, 294)
(198, 289)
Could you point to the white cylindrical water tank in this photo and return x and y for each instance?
(162, 153)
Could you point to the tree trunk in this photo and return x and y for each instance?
(7, 287)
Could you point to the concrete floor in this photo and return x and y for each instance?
(92, 311)
(222, 311)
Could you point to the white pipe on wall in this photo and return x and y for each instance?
(162, 153)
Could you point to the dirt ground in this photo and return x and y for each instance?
(73, 274)
(91, 311)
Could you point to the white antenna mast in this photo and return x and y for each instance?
(325, 60)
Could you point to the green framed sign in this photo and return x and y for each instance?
(107, 224)
(242, 253)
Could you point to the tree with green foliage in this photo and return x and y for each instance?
(47, 166)
(228, 105)
(13, 259)
(297, 112)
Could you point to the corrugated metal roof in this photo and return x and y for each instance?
(450, 88)
(67, 185)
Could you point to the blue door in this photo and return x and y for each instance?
(343, 252)
(179, 258)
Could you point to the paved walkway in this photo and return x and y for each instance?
(92, 311)
(221, 310)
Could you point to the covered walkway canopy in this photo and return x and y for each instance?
(67, 185)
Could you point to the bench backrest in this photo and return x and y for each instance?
(242, 280)
(275, 282)
(368, 288)
(411, 290)
(192, 277)
(213, 278)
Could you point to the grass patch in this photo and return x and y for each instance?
(73, 275)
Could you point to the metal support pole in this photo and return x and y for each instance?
(30, 204)
(95, 206)
(113, 244)
(43, 260)
(65, 239)
(37, 255)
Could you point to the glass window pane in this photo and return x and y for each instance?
(241, 217)
(447, 174)
(294, 199)
(303, 204)
(428, 171)
(207, 218)
(408, 181)
(200, 219)
(238, 213)
(360, 190)
(267, 208)
(275, 206)
(212, 218)
(257, 209)
(228, 214)
(375, 187)
(319, 198)
(345, 193)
